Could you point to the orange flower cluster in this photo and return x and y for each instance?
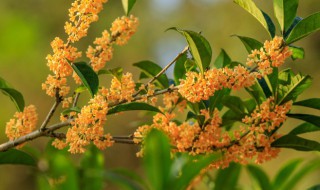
(122, 90)
(273, 54)
(81, 14)
(197, 87)
(123, 28)
(239, 145)
(88, 127)
(24, 123)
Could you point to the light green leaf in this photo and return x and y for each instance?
(151, 69)
(260, 176)
(285, 173)
(199, 47)
(310, 103)
(69, 110)
(285, 11)
(297, 52)
(87, 75)
(227, 178)
(15, 96)
(15, 157)
(229, 118)
(128, 5)
(262, 17)
(133, 106)
(304, 128)
(305, 27)
(250, 43)
(297, 143)
(122, 181)
(222, 60)
(306, 117)
(116, 72)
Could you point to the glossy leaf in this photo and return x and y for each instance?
(304, 128)
(305, 27)
(179, 70)
(235, 104)
(285, 173)
(306, 117)
(256, 92)
(285, 11)
(16, 157)
(310, 103)
(297, 143)
(128, 5)
(92, 164)
(15, 96)
(87, 75)
(227, 178)
(216, 99)
(260, 176)
(133, 106)
(151, 69)
(297, 52)
(290, 85)
(199, 47)
(157, 160)
(272, 81)
(250, 43)
(298, 176)
(295, 22)
(262, 17)
(267, 90)
(222, 60)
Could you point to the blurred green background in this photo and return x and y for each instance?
(27, 28)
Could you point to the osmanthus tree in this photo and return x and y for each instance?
(220, 129)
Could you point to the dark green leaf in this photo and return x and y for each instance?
(235, 104)
(157, 162)
(133, 106)
(297, 52)
(310, 103)
(87, 75)
(260, 176)
(128, 5)
(262, 17)
(304, 28)
(222, 60)
(4, 83)
(297, 143)
(304, 128)
(143, 76)
(295, 22)
(306, 117)
(285, 11)
(284, 173)
(134, 177)
(315, 187)
(250, 43)
(14, 156)
(199, 48)
(229, 118)
(264, 85)
(15, 96)
(256, 92)
(151, 69)
(215, 100)
(179, 71)
(227, 178)
(272, 81)
(123, 182)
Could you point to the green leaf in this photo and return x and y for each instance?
(134, 177)
(199, 47)
(179, 71)
(216, 99)
(133, 106)
(122, 181)
(92, 165)
(297, 143)
(285, 11)
(295, 22)
(310, 103)
(284, 173)
(304, 128)
(190, 65)
(151, 69)
(116, 72)
(87, 75)
(80, 89)
(273, 81)
(128, 5)
(14, 156)
(229, 118)
(299, 175)
(260, 176)
(306, 117)
(4, 83)
(227, 178)
(297, 52)
(235, 104)
(157, 162)
(315, 187)
(15, 96)
(222, 60)
(256, 92)
(250, 43)
(291, 86)
(305, 27)
(262, 17)
(264, 85)
(69, 110)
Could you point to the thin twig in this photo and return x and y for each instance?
(52, 110)
(76, 98)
